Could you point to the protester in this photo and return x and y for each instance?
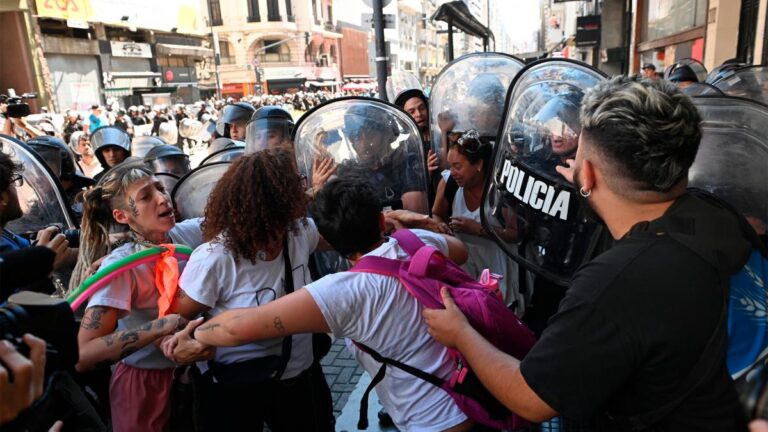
(258, 241)
(649, 71)
(80, 143)
(367, 308)
(121, 320)
(458, 205)
(647, 307)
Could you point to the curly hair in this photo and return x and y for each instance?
(256, 203)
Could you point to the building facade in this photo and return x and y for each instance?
(89, 53)
(275, 46)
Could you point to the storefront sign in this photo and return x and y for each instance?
(175, 75)
(131, 49)
(588, 30)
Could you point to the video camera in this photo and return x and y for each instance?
(48, 318)
(16, 106)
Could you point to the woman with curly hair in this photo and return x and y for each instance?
(257, 250)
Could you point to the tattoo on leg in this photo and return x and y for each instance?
(279, 325)
(92, 318)
(132, 206)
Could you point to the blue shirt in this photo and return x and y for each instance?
(94, 123)
(12, 242)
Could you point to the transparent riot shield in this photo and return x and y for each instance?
(42, 199)
(701, 89)
(190, 194)
(532, 211)
(399, 82)
(224, 155)
(748, 82)
(469, 94)
(732, 160)
(369, 139)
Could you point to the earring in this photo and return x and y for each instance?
(585, 194)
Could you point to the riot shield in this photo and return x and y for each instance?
(695, 66)
(399, 82)
(732, 160)
(42, 199)
(190, 194)
(701, 89)
(368, 139)
(469, 94)
(532, 211)
(224, 155)
(748, 82)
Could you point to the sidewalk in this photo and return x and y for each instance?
(342, 374)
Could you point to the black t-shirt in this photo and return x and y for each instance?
(633, 323)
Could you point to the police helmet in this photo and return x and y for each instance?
(270, 126)
(406, 95)
(237, 112)
(167, 159)
(60, 159)
(142, 144)
(220, 144)
(109, 136)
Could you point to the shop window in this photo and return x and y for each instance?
(172, 61)
(253, 11)
(214, 11)
(276, 54)
(747, 30)
(668, 17)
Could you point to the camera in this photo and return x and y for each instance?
(48, 318)
(16, 106)
(72, 235)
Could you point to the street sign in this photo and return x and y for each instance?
(389, 20)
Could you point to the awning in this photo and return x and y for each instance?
(322, 83)
(118, 91)
(183, 50)
(457, 14)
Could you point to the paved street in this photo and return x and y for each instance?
(342, 373)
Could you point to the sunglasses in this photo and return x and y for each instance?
(469, 140)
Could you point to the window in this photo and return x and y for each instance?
(214, 12)
(668, 17)
(314, 12)
(225, 50)
(289, 11)
(275, 54)
(273, 10)
(253, 11)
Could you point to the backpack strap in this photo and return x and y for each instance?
(285, 355)
(378, 265)
(451, 187)
(409, 241)
(362, 422)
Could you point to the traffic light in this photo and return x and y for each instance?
(306, 38)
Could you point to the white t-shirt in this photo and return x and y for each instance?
(135, 296)
(213, 278)
(378, 312)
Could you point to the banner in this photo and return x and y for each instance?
(76, 10)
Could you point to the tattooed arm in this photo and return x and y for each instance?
(291, 314)
(101, 345)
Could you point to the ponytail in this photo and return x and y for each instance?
(97, 216)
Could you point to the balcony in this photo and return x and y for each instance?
(328, 26)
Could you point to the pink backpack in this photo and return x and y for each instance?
(423, 275)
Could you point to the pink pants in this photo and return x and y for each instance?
(140, 398)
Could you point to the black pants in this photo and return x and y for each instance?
(302, 403)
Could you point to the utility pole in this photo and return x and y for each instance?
(381, 48)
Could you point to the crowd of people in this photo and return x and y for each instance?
(246, 317)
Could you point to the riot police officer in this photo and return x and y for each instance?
(269, 127)
(233, 120)
(112, 146)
